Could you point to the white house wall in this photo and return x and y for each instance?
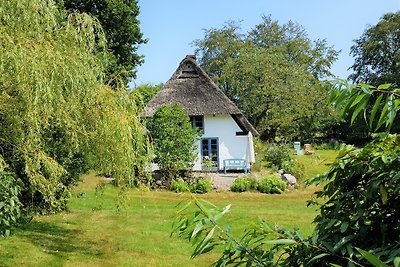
(230, 145)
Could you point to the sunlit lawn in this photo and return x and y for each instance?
(94, 233)
(317, 163)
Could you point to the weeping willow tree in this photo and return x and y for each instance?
(58, 117)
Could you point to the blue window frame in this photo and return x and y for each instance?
(209, 150)
(197, 122)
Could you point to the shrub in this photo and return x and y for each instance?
(173, 139)
(276, 154)
(295, 168)
(10, 205)
(201, 186)
(332, 144)
(179, 186)
(243, 184)
(271, 184)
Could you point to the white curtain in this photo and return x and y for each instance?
(250, 157)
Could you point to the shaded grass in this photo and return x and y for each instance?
(94, 233)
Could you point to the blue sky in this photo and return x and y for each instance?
(172, 25)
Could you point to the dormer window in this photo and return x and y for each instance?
(188, 68)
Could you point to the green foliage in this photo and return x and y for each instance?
(179, 186)
(201, 186)
(358, 221)
(198, 186)
(295, 168)
(333, 144)
(173, 139)
(244, 183)
(271, 184)
(119, 21)
(276, 155)
(376, 53)
(58, 119)
(10, 205)
(365, 213)
(375, 261)
(144, 93)
(380, 104)
(272, 73)
(205, 233)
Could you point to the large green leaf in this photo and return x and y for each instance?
(361, 104)
(375, 261)
(374, 110)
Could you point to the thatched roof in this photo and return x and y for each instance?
(191, 87)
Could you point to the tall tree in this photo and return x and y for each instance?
(377, 52)
(315, 56)
(272, 73)
(118, 19)
(216, 48)
(57, 118)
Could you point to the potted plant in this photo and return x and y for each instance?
(209, 165)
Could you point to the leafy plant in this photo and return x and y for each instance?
(204, 231)
(179, 186)
(243, 183)
(276, 155)
(271, 184)
(208, 163)
(10, 205)
(379, 104)
(295, 168)
(201, 186)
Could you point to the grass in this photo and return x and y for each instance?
(94, 233)
(317, 163)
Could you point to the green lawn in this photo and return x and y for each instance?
(317, 163)
(94, 233)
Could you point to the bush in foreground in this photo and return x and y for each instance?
(243, 184)
(271, 184)
(179, 186)
(10, 205)
(199, 186)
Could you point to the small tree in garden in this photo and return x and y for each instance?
(173, 139)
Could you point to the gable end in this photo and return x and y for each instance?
(243, 129)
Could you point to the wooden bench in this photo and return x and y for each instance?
(235, 164)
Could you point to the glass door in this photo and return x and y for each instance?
(209, 152)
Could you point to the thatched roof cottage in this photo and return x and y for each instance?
(227, 134)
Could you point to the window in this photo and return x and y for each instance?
(197, 122)
(188, 68)
(209, 150)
